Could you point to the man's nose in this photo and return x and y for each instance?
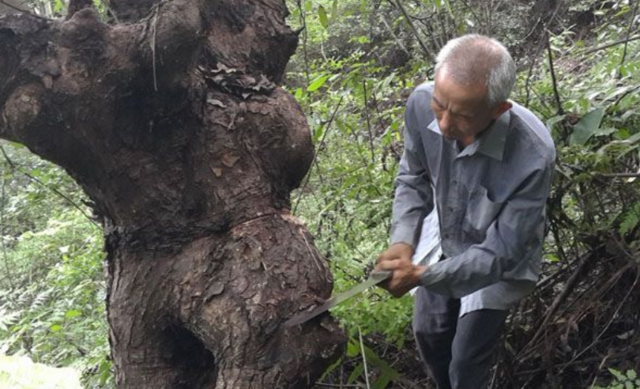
(444, 122)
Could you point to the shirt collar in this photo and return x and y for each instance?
(490, 143)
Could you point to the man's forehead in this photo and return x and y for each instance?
(447, 75)
(448, 92)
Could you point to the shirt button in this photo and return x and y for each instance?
(446, 236)
(450, 209)
(454, 182)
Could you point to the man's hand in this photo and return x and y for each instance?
(406, 275)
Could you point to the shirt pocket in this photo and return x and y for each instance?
(481, 211)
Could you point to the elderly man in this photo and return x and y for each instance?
(477, 168)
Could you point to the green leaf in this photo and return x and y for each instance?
(631, 374)
(619, 376)
(322, 14)
(586, 127)
(318, 83)
(317, 134)
(554, 120)
(59, 6)
(387, 373)
(55, 328)
(331, 368)
(307, 5)
(334, 10)
(357, 372)
(72, 313)
(353, 349)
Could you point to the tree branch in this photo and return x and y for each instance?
(619, 175)
(611, 44)
(412, 27)
(315, 157)
(77, 5)
(553, 76)
(632, 20)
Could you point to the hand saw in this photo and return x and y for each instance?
(375, 278)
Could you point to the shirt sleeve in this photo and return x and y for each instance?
(413, 196)
(518, 228)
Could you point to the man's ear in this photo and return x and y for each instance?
(500, 109)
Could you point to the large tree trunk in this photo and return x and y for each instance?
(172, 122)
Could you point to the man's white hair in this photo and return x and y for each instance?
(474, 58)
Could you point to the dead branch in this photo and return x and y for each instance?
(553, 76)
(412, 27)
(608, 45)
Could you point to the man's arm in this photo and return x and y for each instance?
(413, 198)
(413, 195)
(516, 230)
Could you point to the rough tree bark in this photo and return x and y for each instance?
(172, 123)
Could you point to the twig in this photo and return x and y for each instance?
(110, 11)
(366, 114)
(556, 273)
(553, 75)
(537, 53)
(600, 366)
(631, 21)
(618, 175)
(4, 247)
(154, 25)
(22, 10)
(615, 315)
(75, 6)
(412, 27)
(337, 386)
(473, 13)
(533, 29)
(393, 34)
(315, 157)
(621, 97)
(535, 26)
(571, 283)
(607, 45)
(303, 23)
(364, 359)
(534, 59)
(613, 357)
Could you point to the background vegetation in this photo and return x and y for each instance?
(357, 62)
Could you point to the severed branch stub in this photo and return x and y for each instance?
(77, 5)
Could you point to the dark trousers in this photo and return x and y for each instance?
(457, 351)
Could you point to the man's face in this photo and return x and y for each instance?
(462, 111)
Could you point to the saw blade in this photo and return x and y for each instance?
(374, 279)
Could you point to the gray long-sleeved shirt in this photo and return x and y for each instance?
(490, 199)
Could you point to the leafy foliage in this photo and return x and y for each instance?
(628, 380)
(53, 292)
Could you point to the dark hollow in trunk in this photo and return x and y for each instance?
(173, 123)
